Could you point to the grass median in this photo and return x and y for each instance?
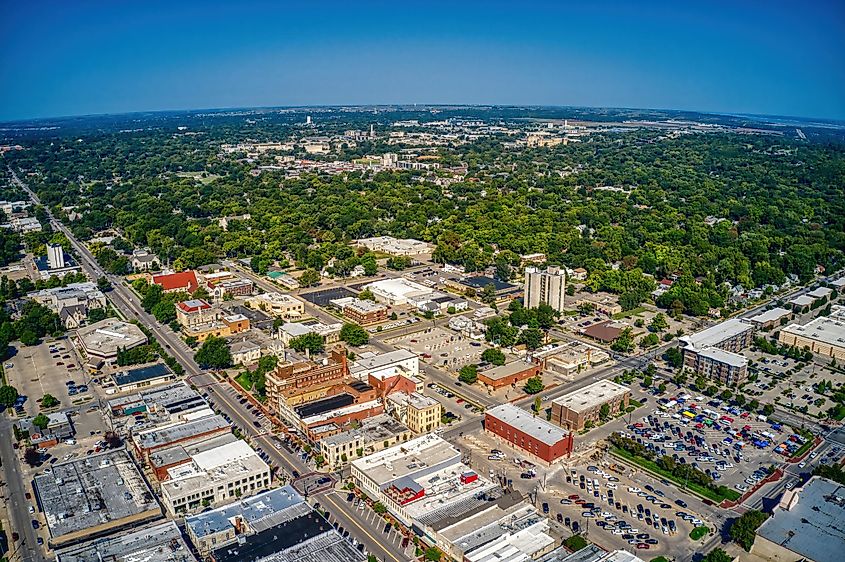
(698, 532)
(652, 466)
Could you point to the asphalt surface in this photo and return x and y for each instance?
(13, 492)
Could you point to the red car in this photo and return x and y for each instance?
(643, 546)
(744, 415)
(638, 425)
(580, 501)
(574, 497)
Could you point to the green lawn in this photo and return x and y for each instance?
(627, 313)
(575, 543)
(698, 532)
(697, 488)
(243, 380)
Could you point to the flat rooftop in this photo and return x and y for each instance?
(372, 430)
(809, 521)
(771, 315)
(481, 281)
(157, 543)
(89, 493)
(350, 409)
(107, 336)
(160, 436)
(408, 458)
(506, 370)
(591, 396)
(324, 405)
(537, 427)
(173, 398)
(141, 374)
(825, 329)
(308, 538)
(370, 362)
(413, 399)
(262, 511)
(179, 453)
(715, 335)
(727, 357)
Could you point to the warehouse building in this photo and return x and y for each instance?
(94, 496)
(533, 435)
(161, 542)
(575, 409)
(824, 336)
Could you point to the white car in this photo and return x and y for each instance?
(634, 490)
(618, 532)
(802, 464)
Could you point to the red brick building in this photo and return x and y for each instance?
(533, 435)
(511, 373)
(173, 282)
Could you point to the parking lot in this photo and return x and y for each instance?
(47, 368)
(615, 507)
(440, 347)
(322, 297)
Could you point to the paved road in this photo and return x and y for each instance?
(14, 498)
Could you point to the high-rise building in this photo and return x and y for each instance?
(544, 287)
(55, 256)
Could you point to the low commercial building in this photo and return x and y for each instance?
(224, 526)
(142, 377)
(230, 288)
(163, 460)
(368, 362)
(373, 435)
(570, 358)
(178, 433)
(395, 246)
(714, 352)
(94, 496)
(214, 476)
(572, 411)
(360, 311)
(248, 347)
(416, 479)
(165, 402)
(161, 542)
(509, 373)
(422, 414)
(398, 291)
(604, 303)
(59, 428)
(329, 332)
(533, 435)
(805, 525)
(824, 336)
(770, 318)
(227, 325)
(604, 332)
(278, 305)
(102, 340)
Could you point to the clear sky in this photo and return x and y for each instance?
(84, 57)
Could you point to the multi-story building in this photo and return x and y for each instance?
(329, 332)
(535, 436)
(230, 287)
(575, 409)
(824, 336)
(714, 351)
(227, 325)
(72, 303)
(544, 287)
(360, 311)
(278, 305)
(422, 414)
(195, 312)
(509, 373)
(102, 340)
(214, 476)
(183, 433)
(373, 435)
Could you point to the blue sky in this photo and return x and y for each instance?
(84, 57)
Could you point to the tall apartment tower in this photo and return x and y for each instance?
(55, 256)
(544, 287)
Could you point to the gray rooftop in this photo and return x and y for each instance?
(372, 430)
(96, 490)
(811, 524)
(536, 427)
(109, 335)
(261, 512)
(506, 370)
(373, 362)
(158, 543)
(722, 356)
(717, 334)
(161, 436)
(591, 396)
(590, 553)
(180, 453)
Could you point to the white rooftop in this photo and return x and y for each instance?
(717, 334)
(401, 460)
(771, 315)
(722, 356)
(528, 423)
(591, 396)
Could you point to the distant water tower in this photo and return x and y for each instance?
(308, 120)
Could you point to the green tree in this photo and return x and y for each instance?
(768, 410)
(658, 323)
(379, 508)
(717, 555)
(214, 354)
(468, 374)
(31, 456)
(8, 395)
(41, 421)
(744, 529)
(367, 295)
(534, 385)
(673, 357)
(494, 356)
(315, 343)
(532, 338)
(309, 278)
(354, 335)
(433, 554)
(49, 401)
(103, 284)
(604, 412)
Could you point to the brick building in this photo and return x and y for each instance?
(575, 409)
(535, 436)
(510, 373)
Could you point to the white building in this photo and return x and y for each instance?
(544, 287)
(214, 476)
(398, 291)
